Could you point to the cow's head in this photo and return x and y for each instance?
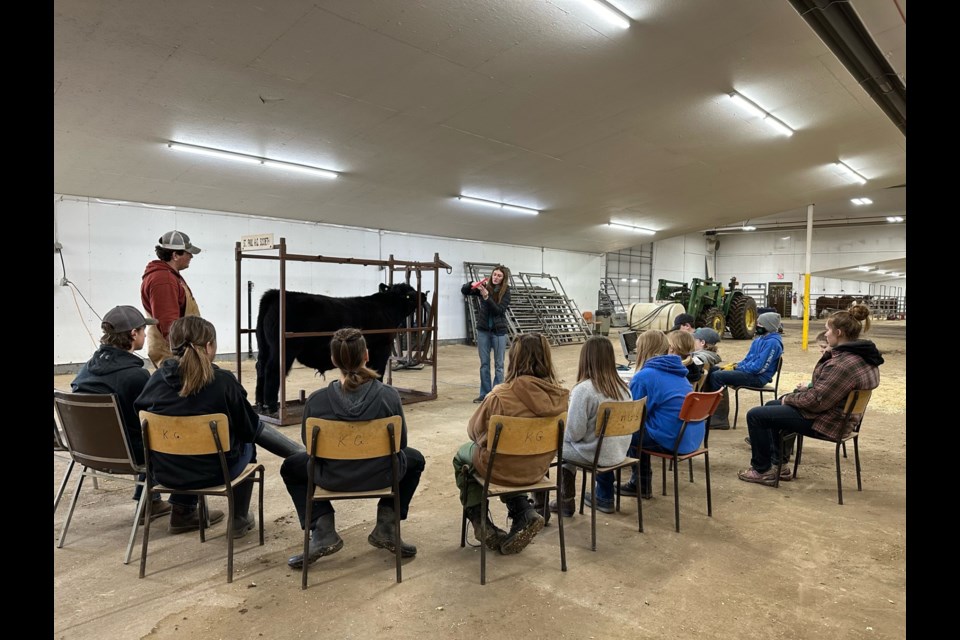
(406, 293)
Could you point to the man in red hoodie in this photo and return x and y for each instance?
(165, 294)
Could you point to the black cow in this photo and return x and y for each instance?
(306, 312)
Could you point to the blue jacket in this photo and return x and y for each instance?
(761, 358)
(663, 381)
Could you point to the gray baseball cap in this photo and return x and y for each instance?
(126, 318)
(178, 241)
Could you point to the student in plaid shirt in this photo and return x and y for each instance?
(850, 363)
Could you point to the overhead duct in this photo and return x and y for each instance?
(840, 28)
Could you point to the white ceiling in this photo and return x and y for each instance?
(532, 102)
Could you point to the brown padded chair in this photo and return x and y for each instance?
(339, 440)
(697, 406)
(512, 436)
(774, 389)
(195, 436)
(613, 419)
(853, 410)
(95, 437)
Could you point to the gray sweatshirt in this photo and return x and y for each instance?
(580, 435)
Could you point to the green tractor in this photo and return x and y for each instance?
(712, 306)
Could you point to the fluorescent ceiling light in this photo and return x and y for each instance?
(882, 272)
(623, 279)
(748, 227)
(863, 268)
(610, 14)
(630, 227)
(242, 157)
(499, 205)
(861, 201)
(897, 275)
(850, 173)
(894, 219)
(751, 107)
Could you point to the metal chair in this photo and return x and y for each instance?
(339, 440)
(60, 446)
(195, 436)
(853, 410)
(613, 419)
(512, 436)
(774, 389)
(697, 407)
(94, 436)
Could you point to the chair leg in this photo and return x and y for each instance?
(396, 528)
(63, 484)
(639, 510)
(230, 508)
(736, 406)
(676, 492)
(593, 509)
(856, 458)
(563, 544)
(73, 505)
(616, 487)
(706, 463)
(136, 523)
(308, 518)
(844, 445)
(690, 460)
(663, 468)
(839, 480)
(146, 529)
(796, 458)
(260, 473)
(484, 507)
(583, 490)
(463, 527)
(202, 515)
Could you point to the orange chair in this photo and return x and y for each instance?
(697, 406)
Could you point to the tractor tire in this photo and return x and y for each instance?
(713, 318)
(742, 319)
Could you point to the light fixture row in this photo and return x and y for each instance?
(753, 108)
(248, 159)
(861, 201)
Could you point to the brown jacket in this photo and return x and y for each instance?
(525, 397)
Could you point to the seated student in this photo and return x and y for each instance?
(356, 396)
(706, 352)
(530, 390)
(682, 344)
(190, 384)
(662, 380)
(683, 322)
(597, 382)
(759, 365)
(849, 364)
(116, 368)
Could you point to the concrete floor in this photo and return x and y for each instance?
(772, 563)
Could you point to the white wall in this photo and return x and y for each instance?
(106, 246)
(761, 256)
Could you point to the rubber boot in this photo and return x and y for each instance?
(538, 499)
(569, 497)
(324, 541)
(277, 443)
(721, 417)
(526, 524)
(495, 535)
(243, 518)
(184, 519)
(384, 532)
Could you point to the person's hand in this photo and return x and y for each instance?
(799, 388)
(484, 293)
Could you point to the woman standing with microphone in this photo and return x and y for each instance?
(492, 327)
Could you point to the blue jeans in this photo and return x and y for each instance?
(765, 425)
(733, 378)
(485, 342)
